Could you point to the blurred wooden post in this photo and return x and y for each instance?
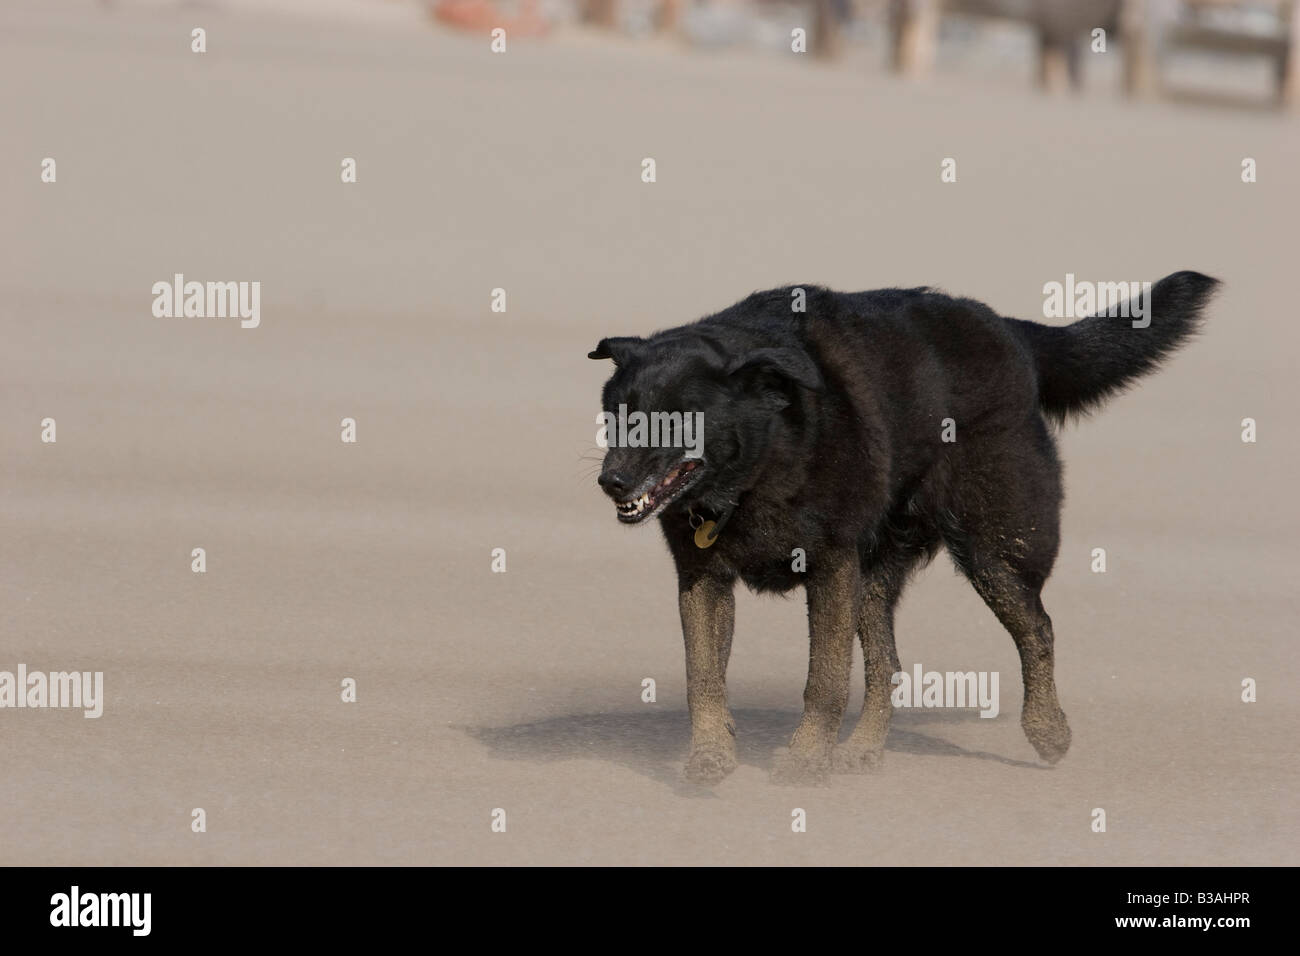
(1141, 63)
(1053, 65)
(668, 18)
(826, 30)
(913, 27)
(602, 13)
(1288, 80)
(1060, 59)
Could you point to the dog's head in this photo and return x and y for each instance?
(689, 415)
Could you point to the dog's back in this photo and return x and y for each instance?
(924, 351)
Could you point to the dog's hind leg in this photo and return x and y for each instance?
(905, 542)
(1018, 606)
(864, 750)
(1007, 549)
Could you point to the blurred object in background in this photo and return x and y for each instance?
(1149, 32)
(1154, 28)
(1238, 52)
(1062, 28)
(484, 16)
(767, 24)
(601, 13)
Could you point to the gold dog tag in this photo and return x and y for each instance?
(702, 539)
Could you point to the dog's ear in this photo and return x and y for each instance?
(795, 365)
(621, 348)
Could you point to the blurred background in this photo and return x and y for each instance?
(1231, 50)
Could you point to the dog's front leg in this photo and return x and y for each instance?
(708, 607)
(833, 594)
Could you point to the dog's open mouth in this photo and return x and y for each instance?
(666, 489)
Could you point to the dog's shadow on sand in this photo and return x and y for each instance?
(655, 743)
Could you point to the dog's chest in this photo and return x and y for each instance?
(774, 576)
(768, 555)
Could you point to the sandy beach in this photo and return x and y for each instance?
(372, 560)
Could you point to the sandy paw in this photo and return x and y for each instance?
(794, 768)
(851, 759)
(1049, 734)
(708, 765)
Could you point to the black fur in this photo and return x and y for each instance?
(823, 432)
(1081, 365)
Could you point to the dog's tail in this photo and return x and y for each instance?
(1081, 365)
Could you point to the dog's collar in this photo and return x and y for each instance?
(706, 532)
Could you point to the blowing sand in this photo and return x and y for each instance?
(372, 560)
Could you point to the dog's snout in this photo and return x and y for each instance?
(614, 481)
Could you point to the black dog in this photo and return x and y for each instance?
(866, 430)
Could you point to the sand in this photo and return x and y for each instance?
(475, 431)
